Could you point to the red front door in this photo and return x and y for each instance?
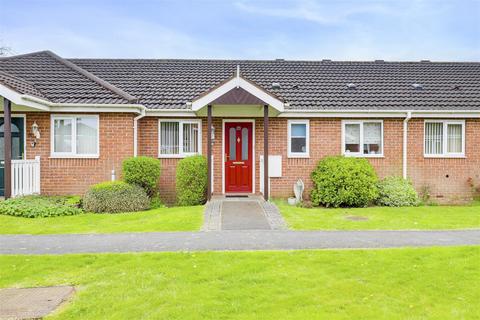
(238, 157)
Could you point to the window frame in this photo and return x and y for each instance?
(181, 122)
(305, 154)
(73, 153)
(445, 153)
(361, 154)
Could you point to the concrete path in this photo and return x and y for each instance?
(231, 240)
(243, 215)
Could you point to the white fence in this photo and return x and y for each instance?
(25, 177)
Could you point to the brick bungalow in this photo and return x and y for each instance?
(73, 121)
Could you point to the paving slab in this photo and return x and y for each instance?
(231, 240)
(243, 215)
(32, 303)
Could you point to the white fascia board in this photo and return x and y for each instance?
(235, 83)
(44, 105)
(381, 113)
(182, 113)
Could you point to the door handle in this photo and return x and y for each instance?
(238, 162)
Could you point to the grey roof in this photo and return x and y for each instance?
(56, 79)
(304, 85)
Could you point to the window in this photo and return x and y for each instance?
(75, 136)
(179, 138)
(444, 138)
(363, 138)
(298, 138)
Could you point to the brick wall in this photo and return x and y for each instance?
(73, 176)
(445, 178)
(325, 139)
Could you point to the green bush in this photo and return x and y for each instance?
(114, 197)
(41, 206)
(142, 171)
(191, 181)
(344, 182)
(397, 192)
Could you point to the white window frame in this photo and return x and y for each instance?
(361, 154)
(73, 153)
(181, 122)
(445, 153)
(305, 154)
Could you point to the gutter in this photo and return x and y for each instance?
(135, 131)
(405, 143)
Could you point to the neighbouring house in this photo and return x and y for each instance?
(73, 121)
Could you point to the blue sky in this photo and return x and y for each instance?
(303, 29)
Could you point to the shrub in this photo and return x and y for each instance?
(41, 206)
(191, 181)
(114, 197)
(397, 192)
(142, 171)
(342, 181)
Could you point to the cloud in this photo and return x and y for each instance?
(325, 13)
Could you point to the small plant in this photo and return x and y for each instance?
(114, 197)
(142, 171)
(191, 181)
(425, 194)
(41, 206)
(156, 202)
(397, 192)
(344, 182)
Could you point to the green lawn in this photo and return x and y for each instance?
(424, 283)
(162, 219)
(386, 218)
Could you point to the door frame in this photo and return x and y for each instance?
(24, 116)
(224, 121)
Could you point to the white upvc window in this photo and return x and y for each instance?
(179, 138)
(444, 138)
(298, 139)
(362, 138)
(74, 136)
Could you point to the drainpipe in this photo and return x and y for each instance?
(405, 142)
(135, 131)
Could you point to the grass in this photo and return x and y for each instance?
(162, 219)
(423, 283)
(386, 218)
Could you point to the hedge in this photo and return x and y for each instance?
(191, 181)
(142, 171)
(114, 197)
(344, 182)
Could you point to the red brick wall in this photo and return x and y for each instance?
(73, 176)
(325, 139)
(446, 178)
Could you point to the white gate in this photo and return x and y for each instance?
(25, 177)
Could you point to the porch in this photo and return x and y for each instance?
(244, 109)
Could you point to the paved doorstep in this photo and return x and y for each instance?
(231, 240)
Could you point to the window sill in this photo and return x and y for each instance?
(298, 156)
(364, 155)
(443, 156)
(72, 157)
(176, 156)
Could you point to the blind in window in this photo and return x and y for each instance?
(433, 138)
(169, 138)
(454, 138)
(190, 137)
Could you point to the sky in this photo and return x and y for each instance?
(437, 30)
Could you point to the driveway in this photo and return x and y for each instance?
(231, 240)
